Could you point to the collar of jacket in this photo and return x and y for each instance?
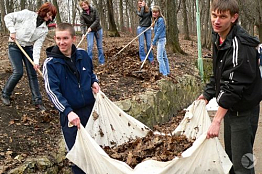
(90, 10)
(59, 57)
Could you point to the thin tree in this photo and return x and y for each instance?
(2, 8)
(58, 17)
(185, 21)
(121, 12)
(22, 4)
(9, 5)
(38, 3)
(112, 25)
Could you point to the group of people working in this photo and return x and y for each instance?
(70, 81)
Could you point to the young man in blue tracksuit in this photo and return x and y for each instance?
(70, 83)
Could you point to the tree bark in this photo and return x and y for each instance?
(185, 21)
(121, 11)
(112, 25)
(58, 18)
(2, 8)
(38, 4)
(22, 4)
(172, 29)
(9, 6)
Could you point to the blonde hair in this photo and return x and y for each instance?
(83, 1)
(158, 9)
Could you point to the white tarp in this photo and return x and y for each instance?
(204, 156)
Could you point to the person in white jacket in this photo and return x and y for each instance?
(29, 29)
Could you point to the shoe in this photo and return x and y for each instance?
(40, 107)
(6, 101)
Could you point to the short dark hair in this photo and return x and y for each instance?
(66, 26)
(225, 5)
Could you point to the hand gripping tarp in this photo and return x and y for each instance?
(204, 156)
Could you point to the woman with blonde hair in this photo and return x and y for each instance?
(145, 20)
(159, 40)
(90, 22)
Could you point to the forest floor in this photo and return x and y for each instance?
(25, 132)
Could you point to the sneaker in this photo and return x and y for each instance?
(40, 107)
(6, 101)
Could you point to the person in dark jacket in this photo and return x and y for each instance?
(90, 22)
(70, 83)
(145, 21)
(236, 84)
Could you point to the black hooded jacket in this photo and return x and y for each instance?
(236, 80)
(68, 81)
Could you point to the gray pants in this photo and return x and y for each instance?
(239, 135)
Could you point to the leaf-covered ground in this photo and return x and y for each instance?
(25, 132)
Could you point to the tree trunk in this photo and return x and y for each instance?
(121, 11)
(38, 4)
(101, 10)
(112, 25)
(185, 21)
(58, 18)
(74, 7)
(2, 8)
(22, 4)
(9, 6)
(172, 29)
(127, 19)
(205, 26)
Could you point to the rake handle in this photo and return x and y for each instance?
(132, 41)
(146, 58)
(81, 40)
(26, 55)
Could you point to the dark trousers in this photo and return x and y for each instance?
(239, 135)
(70, 132)
(17, 58)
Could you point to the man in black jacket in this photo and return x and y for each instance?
(236, 84)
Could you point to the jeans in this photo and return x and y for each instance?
(90, 42)
(162, 57)
(146, 35)
(17, 58)
(239, 135)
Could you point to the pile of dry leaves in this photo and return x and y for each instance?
(153, 146)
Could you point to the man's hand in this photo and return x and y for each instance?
(74, 119)
(95, 87)
(201, 97)
(89, 30)
(213, 130)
